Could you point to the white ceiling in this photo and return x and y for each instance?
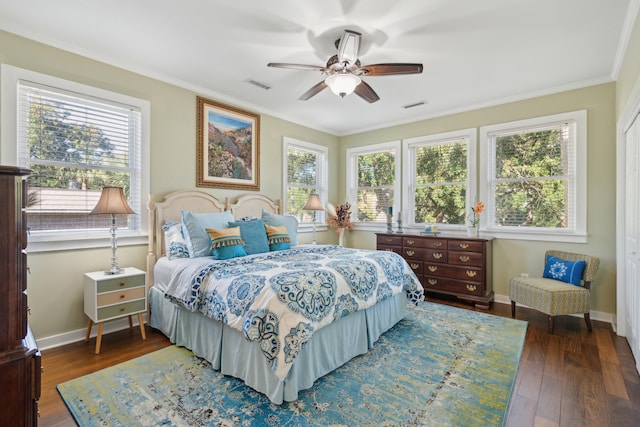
(475, 52)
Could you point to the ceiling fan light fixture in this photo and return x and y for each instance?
(343, 84)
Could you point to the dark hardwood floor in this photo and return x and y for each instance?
(571, 378)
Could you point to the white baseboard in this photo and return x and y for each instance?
(79, 334)
(595, 315)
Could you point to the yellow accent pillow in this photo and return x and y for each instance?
(226, 243)
(278, 237)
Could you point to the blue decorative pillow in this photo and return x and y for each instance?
(226, 243)
(174, 242)
(287, 220)
(278, 238)
(195, 225)
(254, 235)
(565, 271)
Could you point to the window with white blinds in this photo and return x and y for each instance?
(306, 172)
(373, 182)
(441, 178)
(75, 144)
(536, 175)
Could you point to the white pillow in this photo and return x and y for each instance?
(195, 233)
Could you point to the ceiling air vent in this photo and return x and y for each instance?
(258, 84)
(415, 104)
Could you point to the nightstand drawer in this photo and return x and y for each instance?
(108, 285)
(120, 297)
(118, 310)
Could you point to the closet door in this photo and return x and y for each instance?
(632, 238)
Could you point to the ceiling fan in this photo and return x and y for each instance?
(344, 70)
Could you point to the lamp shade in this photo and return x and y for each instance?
(313, 203)
(342, 84)
(112, 201)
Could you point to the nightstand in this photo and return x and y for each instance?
(113, 296)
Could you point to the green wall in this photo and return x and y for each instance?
(55, 285)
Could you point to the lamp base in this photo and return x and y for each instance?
(114, 270)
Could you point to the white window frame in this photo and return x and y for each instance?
(408, 154)
(352, 181)
(53, 241)
(322, 187)
(577, 234)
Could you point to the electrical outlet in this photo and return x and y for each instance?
(524, 275)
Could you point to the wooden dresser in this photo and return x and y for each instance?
(19, 355)
(448, 265)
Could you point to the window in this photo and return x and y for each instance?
(76, 140)
(373, 183)
(306, 173)
(536, 177)
(441, 178)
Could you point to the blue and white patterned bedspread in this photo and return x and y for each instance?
(280, 298)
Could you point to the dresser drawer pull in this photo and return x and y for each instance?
(437, 255)
(411, 241)
(414, 266)
(471, 273)
(437, 244)
(433, 268)
(464, 258)
(389, 250)
(432, 281)
(411, 253)
(471, 288)
(464, 245)
(388, 240)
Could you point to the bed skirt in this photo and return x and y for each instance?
(232, 354)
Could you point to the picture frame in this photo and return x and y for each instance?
(227, 146)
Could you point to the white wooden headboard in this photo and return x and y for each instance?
(170, 209)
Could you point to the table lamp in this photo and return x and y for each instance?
(313, 204)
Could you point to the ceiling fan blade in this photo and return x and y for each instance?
(390, 69)
(364, 91)
(349, 47)
(313, 91)
(303, 67)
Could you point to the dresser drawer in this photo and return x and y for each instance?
(388, 240)
(118, 310)
(109, 285)
(425, 242)
(465, 245)
(120, 296)
(465, 258)
(467, 287)
(471, 273)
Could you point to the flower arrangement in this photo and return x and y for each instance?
(476, 211)
(339, 216)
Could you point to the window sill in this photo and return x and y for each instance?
(67, 243)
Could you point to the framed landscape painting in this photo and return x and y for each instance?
(228, 147)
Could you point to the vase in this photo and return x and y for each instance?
(472, 231)
(341, 236)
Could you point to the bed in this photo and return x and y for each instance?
(246, 343)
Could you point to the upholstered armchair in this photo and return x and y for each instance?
(563, 289)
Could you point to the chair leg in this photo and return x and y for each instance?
(587, 320)
(551, 324)
(513, 309)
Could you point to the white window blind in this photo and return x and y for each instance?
(374, 182)
(75, 144)
(536, 176)
(441, 178)
(306, 173)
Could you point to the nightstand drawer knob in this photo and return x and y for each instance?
(122, 309)
(122, 296)
(122, 283)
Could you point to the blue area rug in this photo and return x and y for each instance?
(440, 366)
